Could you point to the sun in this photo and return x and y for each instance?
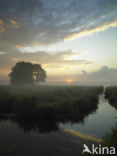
(69, 80)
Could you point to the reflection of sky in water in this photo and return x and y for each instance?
(99, 123)
(14, 141)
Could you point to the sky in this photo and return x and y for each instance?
(73, 40)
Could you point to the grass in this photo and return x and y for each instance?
(110, 139)
(111, 95)
(49, 102)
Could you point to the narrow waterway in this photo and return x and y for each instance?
(98, 123)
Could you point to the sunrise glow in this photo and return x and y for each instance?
(69, 39)
(69, 80)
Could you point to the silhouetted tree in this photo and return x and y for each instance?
(39, 73)
(27, 73)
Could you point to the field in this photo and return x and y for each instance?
(51, 102)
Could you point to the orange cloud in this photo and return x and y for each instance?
(2, 26)
(1, 22)
(16, 59)
(14, 23)
(4, 71)
(18, 46)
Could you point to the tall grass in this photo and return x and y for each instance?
(49, 101)
(111, 95)
(110, 139)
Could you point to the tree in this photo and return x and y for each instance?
(27, 73)
(39, 73)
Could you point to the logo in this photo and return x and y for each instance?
(98, 150)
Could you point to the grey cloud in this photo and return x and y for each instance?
(50, 21)
(103, 74)
(51, 60)
(54, 60)
(2, 52)
(58, 58)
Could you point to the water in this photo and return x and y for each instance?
(98, 123)
(38, 138)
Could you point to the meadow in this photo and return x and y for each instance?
(61, 103)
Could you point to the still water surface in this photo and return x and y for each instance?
(16, 141)
(99, 123)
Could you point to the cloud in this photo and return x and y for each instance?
(45, 22)
(16, 59)
(14, 23)
(1, 26)
(53, 63)
(47, 59)
(103, 74)
(36, 48)
(1, 22)
(55, 59)
(4, 71)
(44, 56)
(27, 49)
(6, 26)
(91, 30)
(2, 53)
(48, 22)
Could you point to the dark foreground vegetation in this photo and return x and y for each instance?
(110, 139)
(42, 108)
(31, 106)
(111, 95)
(48, 100)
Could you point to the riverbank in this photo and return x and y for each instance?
(59, 103)
(111, 95)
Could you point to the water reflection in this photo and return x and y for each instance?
(36, 136)
(97, 124)
(87, 121)
(43, 125)
(40, 125)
